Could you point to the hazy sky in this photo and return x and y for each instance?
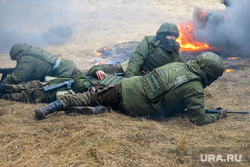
(36, 22)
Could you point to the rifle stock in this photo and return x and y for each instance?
(5, 72)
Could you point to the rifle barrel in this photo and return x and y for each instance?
(235, 112)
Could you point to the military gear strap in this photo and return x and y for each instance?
(54, 69)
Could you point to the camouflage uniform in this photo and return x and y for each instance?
(165, 91)
(34, 63)
(33, 91)
(155, 51)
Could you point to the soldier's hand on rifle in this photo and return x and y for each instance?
(222, 112)
(101, 75)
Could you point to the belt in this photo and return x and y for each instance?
(53, 71)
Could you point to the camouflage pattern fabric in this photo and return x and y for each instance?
(108, 96)
(177, 94)
(35, 64)
(189, 95)
(143, 50)
(160, 56)
(33, 91)
(28, 92)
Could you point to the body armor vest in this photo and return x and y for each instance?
(158, 57)
(165, 79)
(111, 79)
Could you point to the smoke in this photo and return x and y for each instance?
(35, 22)
(228, 29)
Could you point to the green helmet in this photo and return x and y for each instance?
(17, 48)
(168, 29)
(211, 64)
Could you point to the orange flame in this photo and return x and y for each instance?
(118, 42)
(98, 53)
(230, 70)
(101, 62)
(187, 40)
(96, 62)
(233, 58)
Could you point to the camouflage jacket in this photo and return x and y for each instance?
(147, 45)
(168, 90)
(35, 64)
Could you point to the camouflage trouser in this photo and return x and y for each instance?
(109, 96)
(28, 92)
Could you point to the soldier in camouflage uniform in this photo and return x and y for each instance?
(33, 91)
(165, 91)
(155, 51)
(34, 63)
(152, 52)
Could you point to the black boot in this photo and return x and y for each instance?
(42, 112)
(2, 87)
(84, 110)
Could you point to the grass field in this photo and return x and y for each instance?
(113, 139)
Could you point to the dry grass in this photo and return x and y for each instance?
(113, 139)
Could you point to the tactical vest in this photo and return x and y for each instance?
(158, 57)
(111, 79)
(44, 56)
(165, 79)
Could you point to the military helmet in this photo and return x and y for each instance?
(17, 48)
(168, 29)
(211, 64)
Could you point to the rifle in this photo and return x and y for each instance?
(69, 83)
(5, 72)
(65, 83)
(217, 111)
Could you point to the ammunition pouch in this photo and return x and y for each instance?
(163, 80)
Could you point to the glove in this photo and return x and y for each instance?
(222, 112)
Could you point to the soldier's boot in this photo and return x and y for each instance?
(84, 110)
(2, 88)
(42, 112)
